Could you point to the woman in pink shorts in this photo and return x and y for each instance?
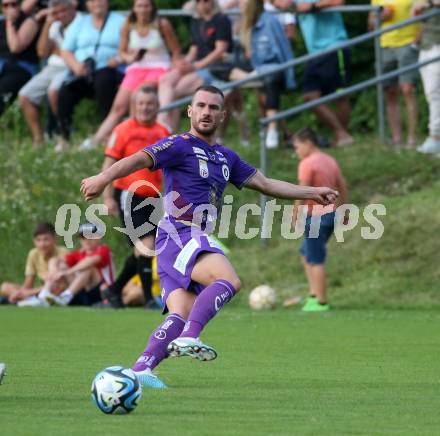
(148, 47)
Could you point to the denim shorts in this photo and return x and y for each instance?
(316, 236)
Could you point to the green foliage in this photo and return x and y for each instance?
(397, 271)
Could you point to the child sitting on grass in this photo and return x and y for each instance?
(37, 265)
(82, 274)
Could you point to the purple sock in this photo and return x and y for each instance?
(156, 349)
(206, 306)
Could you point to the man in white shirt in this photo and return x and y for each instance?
(47, 83)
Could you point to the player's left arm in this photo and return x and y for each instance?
(107, 194)
(285, 190)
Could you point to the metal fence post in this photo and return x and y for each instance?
(379, 87)
(263, 169)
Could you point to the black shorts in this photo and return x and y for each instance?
(147, 216)
(328, 73)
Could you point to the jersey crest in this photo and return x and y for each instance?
(203, 169)
(225, 172)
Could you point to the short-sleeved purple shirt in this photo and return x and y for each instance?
(198, 173)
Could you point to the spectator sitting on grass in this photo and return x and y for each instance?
(18, 55)
(49, 80)
(133, 294)
(45, 250)
(79, 278)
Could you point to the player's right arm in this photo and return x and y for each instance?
(107, 195)
(93, 187)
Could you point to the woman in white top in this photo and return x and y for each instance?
(148, 46)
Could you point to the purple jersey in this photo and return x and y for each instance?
(198, 173)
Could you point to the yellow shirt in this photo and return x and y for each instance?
(37, 265)
(155, 287)
(401, 11)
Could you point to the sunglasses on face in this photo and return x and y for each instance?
(9, 5)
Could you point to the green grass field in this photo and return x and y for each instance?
(278, 373)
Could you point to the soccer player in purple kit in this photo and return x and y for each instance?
(196, 277)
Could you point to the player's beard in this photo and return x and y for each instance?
(209, 131)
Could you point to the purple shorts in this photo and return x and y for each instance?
(177, 255)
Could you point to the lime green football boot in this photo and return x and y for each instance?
(312, 305)
(309, 303)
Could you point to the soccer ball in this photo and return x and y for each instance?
(116, 390)
(263, 297)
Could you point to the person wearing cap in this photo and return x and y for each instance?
(84, 272)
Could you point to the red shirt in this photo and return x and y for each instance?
(105, 266)
(128, 138)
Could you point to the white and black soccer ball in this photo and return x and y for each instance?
(263, 297)
(116, 390)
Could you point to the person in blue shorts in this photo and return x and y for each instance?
(315, 169)
(196, 277)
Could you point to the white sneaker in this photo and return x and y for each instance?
(52, 299)
(33, 301)
(192, 347)
(430, 146)
(272, 138)
(87, 144)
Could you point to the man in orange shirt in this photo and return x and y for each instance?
(129, 137)
(316, 169)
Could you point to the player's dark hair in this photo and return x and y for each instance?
(211, 89)
(44, 229)
(306, 134)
